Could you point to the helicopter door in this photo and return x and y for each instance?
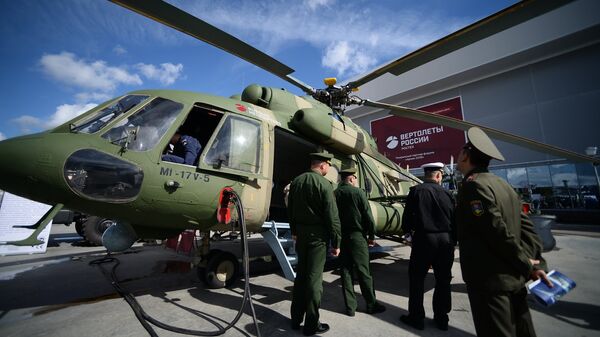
(235, 152)
(290, 160)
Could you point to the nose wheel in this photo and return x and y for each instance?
(94, 227)
(222, 269)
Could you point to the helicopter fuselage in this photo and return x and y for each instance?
(109, 160)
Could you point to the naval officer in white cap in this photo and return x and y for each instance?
(429, 217)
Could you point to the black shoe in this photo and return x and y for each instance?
(322, 328)
(415, 323)
(377, 308)
(442, 325)
(295, 326)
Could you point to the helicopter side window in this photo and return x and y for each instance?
(102, 117)
(143, 130)
(236, 146)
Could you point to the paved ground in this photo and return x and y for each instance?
(61, 294)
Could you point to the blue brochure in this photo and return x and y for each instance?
(548, 296)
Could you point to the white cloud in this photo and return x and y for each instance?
(345, 59)
(119, 50)
(166, 73)
(314, 4)
(67, 112)
(97, 75)
(2, 136)
(85, 97)
(376, 34)
(28, 124)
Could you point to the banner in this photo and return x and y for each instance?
(414, 143)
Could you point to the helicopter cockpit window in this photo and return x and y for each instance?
(142, 130)
(102, 117)
(100, 176)
(236, 146)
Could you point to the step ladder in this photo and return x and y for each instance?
(279, 237)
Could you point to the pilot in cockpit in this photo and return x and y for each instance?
(183, 149)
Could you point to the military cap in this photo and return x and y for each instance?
(481, 142)
(348, 171)
(322, 156)
(437, 166)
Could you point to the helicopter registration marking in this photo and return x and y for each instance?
(167, 171)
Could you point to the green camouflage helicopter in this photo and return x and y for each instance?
(107, 161)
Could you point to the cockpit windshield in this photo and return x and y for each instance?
(142, 130)
(102, 117)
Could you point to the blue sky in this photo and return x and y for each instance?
(63, 57)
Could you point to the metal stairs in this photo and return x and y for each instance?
(279, 237)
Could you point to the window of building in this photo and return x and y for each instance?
(500, 173)
(517, 177)
(588, 186)
(540, 193)
(565, 186)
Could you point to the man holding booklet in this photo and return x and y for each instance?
(499, 250)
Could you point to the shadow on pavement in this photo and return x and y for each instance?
(572, 313)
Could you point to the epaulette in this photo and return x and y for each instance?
(472, 177)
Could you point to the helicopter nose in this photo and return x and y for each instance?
(26, 166)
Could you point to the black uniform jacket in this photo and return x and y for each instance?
(496, 239)
(429, 209)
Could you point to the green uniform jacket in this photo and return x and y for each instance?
(355, 213)
(496, 239)
(312, 208)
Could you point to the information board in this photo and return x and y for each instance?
(414, 143)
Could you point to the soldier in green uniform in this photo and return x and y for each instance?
(499, 251)
(314, 222)
(358, 232)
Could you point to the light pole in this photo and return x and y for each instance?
(592, 151)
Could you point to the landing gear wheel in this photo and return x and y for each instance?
(94, 227)
(221, 270)
(79, 228)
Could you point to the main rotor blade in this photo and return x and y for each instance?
(423, 116)
(176, 18)
(506, 18)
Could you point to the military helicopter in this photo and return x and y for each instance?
(107, 161)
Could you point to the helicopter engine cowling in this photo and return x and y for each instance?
(313, 123)
(320, 125)
(119, 237)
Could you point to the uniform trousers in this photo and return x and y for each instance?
(308, 285)
(354, 255)
(436, 250)
(500, 314)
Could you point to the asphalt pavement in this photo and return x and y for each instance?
(61, 294)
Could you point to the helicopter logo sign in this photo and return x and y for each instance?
(413, 143)
(392, 142)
